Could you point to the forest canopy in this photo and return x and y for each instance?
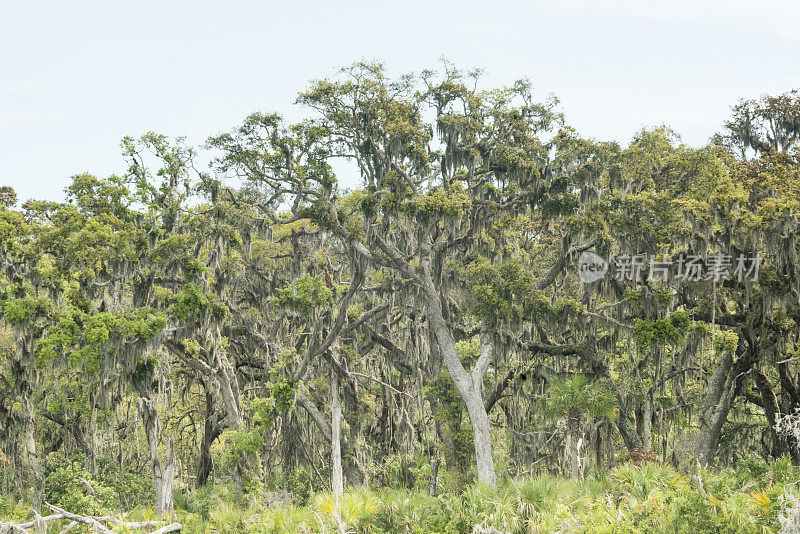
(389, 294)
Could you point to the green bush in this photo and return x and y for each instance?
(13, 510)
(133, 490)
(67, 485)
(300, 484)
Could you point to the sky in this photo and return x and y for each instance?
(75, 77)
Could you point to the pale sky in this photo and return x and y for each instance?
(75, 77)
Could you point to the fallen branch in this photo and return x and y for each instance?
(32, 524)
(174, 527)
(80, 519)
(95, 522)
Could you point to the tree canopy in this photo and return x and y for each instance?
(230, 321)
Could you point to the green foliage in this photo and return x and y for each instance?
(13, 510)
(321, 214)
(640, 480)
(649, 498)
(502, 192)
(444, 390)
(438, 203)
(305, 294)
(66, 486)
(449, 411)
(244, 442)
(84, 338)
(8, 197)
(505, 293)
(300, 484)
(20, 310)
(131, 489)
(402, 472)
(144, 369)
(579, 393)
(283, 393)
(192, 300)
(669, 330)
(725, 341)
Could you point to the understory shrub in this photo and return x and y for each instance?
(70, 486)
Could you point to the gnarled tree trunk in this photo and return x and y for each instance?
(725, 383)
(212, 429)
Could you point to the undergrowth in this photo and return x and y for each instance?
(630, 498)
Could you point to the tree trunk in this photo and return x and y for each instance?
(31, 457)
(434, 476)
(712, 422)
(168, 480)
(337, 478)
(482, 435)
(206, 463)
(149, 420)
(714, 410)
(780, 444)
(355, 472)
(73, 427)
(598, 447)
(229, 390)
(92, 460)
(722, 388)
(627, 431)
(469, 385)
(647, 421)
(573, 442)
(211, 431)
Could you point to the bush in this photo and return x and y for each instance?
(70, 486)
(13, 510)
(133, 490)
(299, 483)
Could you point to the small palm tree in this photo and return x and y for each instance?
(575, 398)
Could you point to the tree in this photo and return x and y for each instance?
(425, 199)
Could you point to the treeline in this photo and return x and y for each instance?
(268, 324)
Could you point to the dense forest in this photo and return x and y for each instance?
(428, 307)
